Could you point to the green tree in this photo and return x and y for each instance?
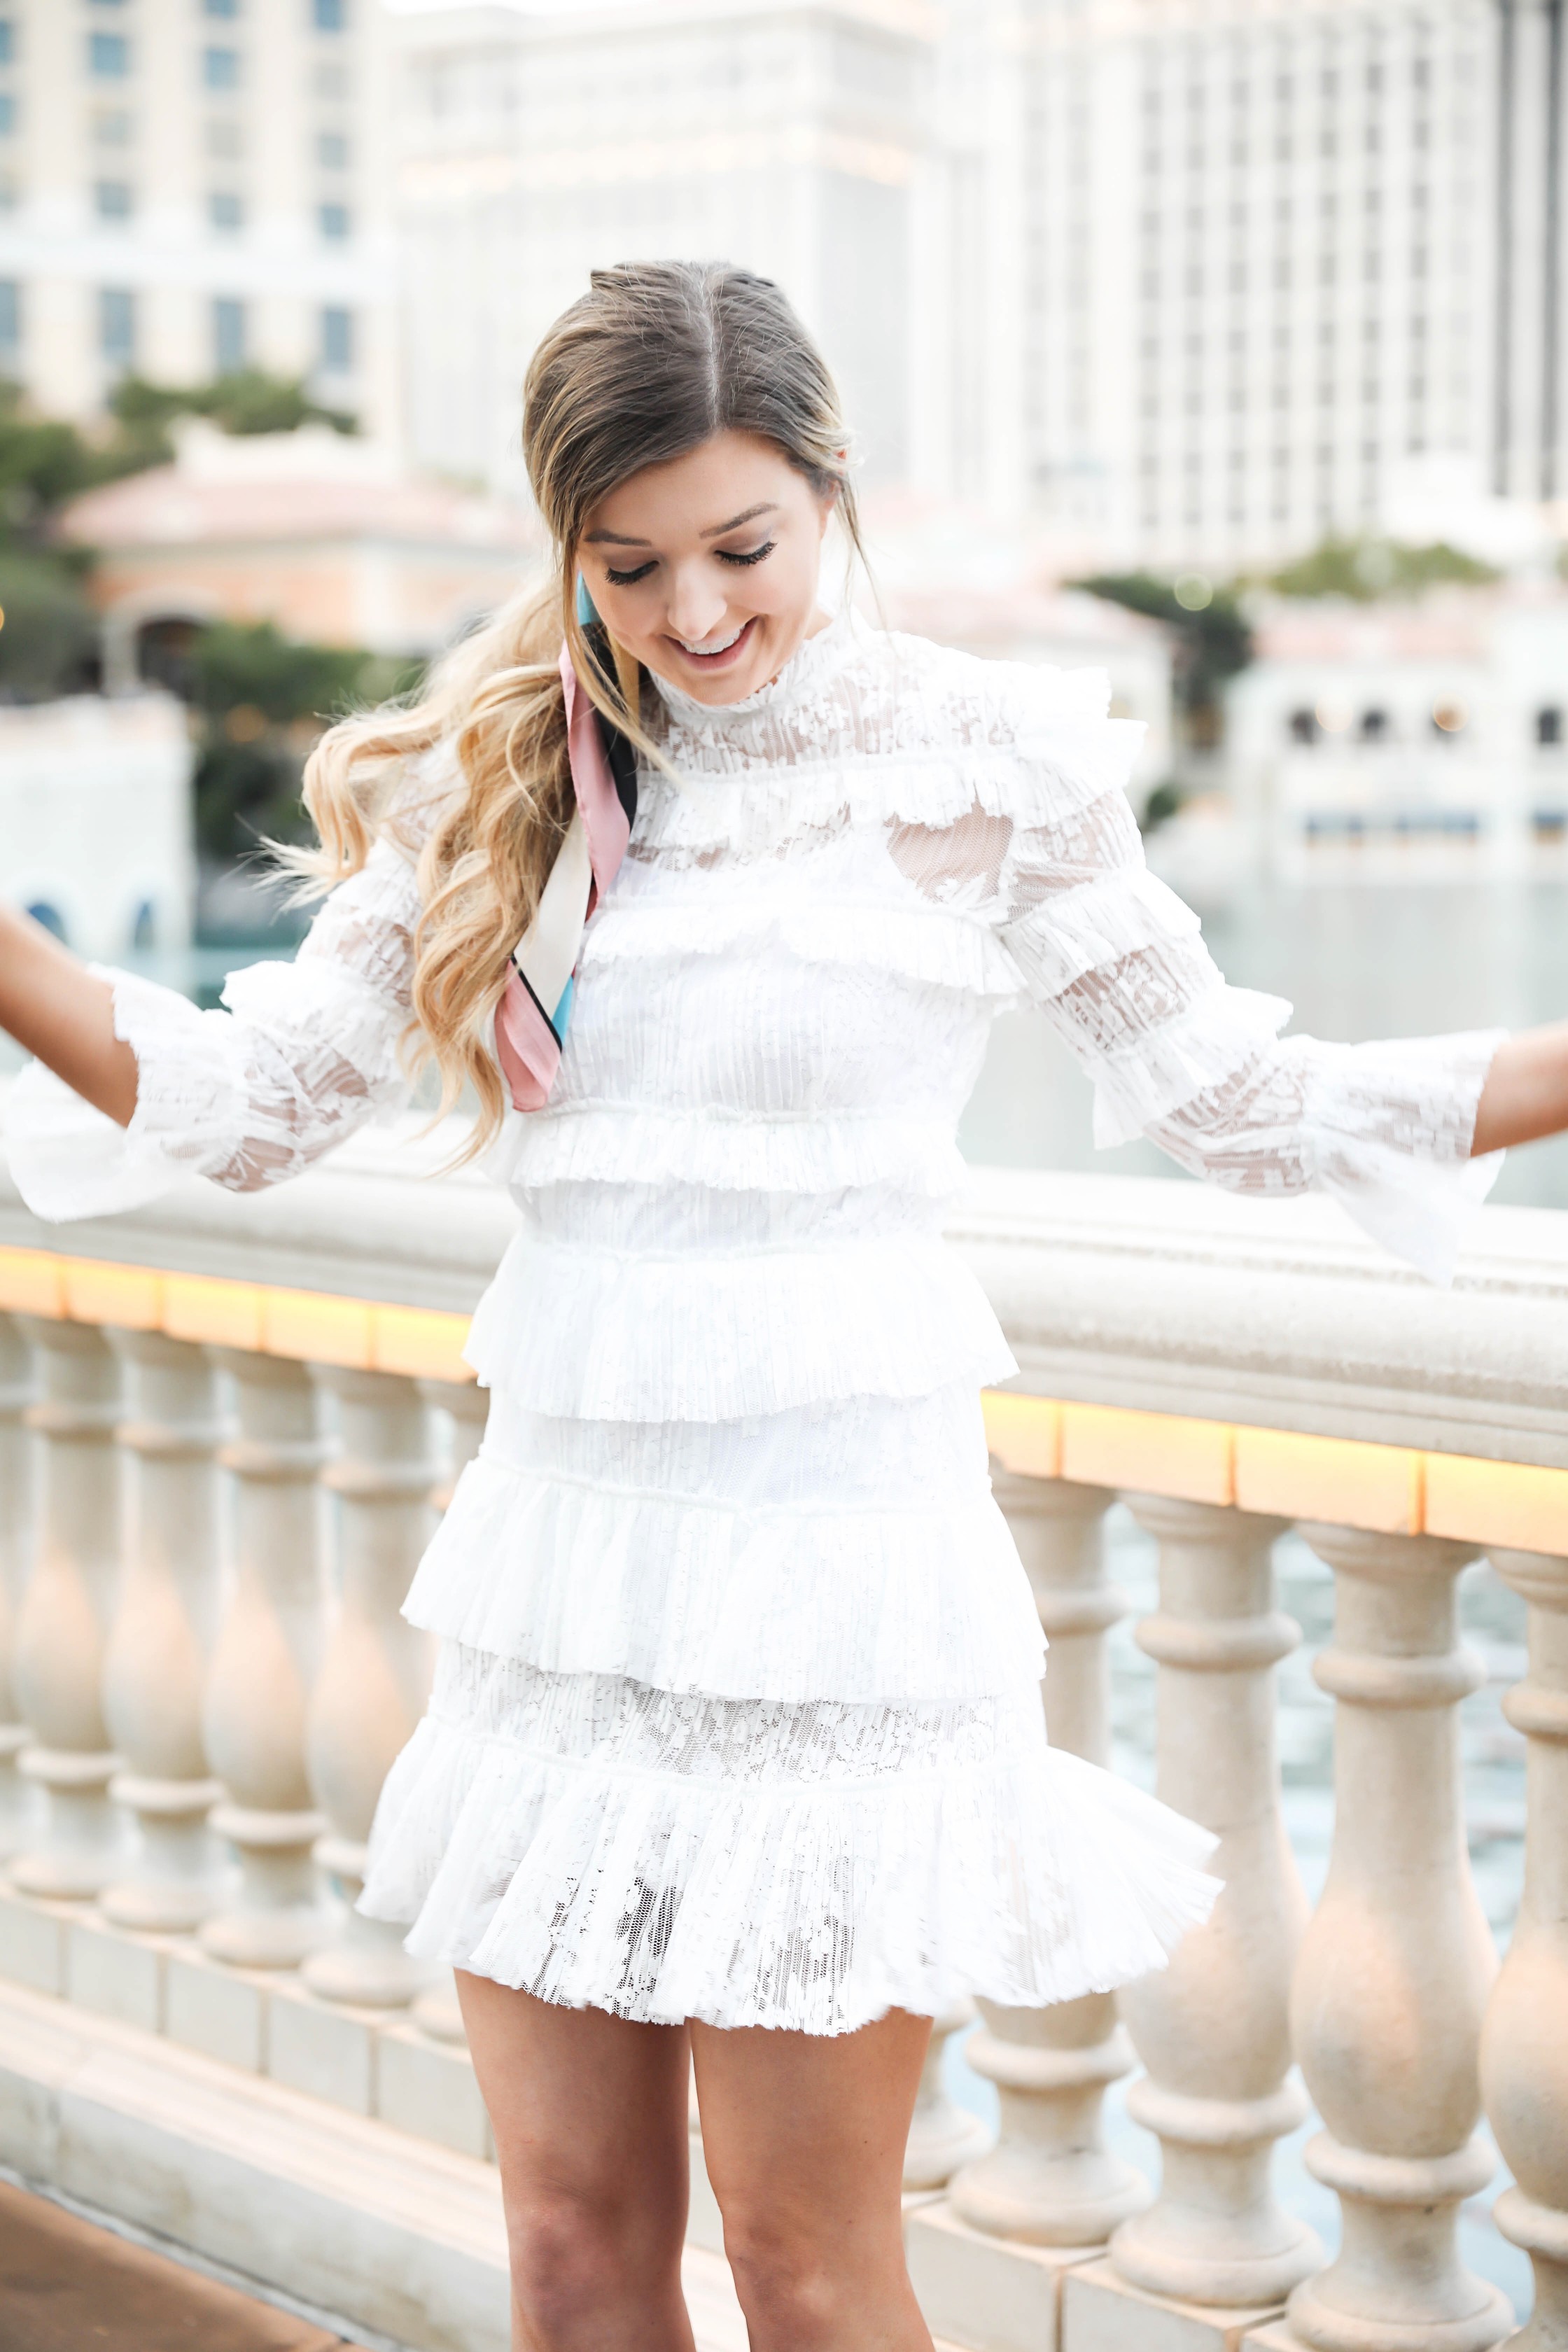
(263, 698)
(48, 632)
(1366, 570)
(1211, 640)
(246, 401)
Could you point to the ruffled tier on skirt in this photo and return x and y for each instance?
(604, 1844)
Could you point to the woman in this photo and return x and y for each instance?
(735, 1753)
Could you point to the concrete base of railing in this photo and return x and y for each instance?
(338, 2156)
(388, 2233)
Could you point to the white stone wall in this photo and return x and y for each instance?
(95, 819)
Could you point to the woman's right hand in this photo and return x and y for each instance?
(57, 1009)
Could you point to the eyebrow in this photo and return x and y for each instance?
(617, 538)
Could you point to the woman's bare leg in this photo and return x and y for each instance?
(805, 2137)
(589, 2120)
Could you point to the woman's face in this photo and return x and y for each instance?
(705, 568)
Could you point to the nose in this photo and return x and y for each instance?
(696, 607)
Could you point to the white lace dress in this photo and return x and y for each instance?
(736, 1711)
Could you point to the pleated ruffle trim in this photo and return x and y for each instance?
(932, 946)
(783, 1867)
(691, 1595)
(637, 1143)
(602, 1334)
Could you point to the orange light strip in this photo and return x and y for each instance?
(1282, 1474)
(309, 1326)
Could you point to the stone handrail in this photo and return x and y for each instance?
(207, 1692)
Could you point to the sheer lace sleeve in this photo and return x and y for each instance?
(1118, 964)
(302, 1055)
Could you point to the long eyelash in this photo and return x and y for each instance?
(625, 579)
(755, 556)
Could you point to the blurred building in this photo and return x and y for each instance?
(329, 537)
(532, 149)
(1389, 743)
(95, 821)
(1192, 282)
(1280, 267)
(191, 186)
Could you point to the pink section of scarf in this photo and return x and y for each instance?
(526, 1045)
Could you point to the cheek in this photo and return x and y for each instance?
(786, 583)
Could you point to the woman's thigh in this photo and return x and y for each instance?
(804, 2137)
(589, 2114)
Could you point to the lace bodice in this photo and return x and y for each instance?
(784, 1002)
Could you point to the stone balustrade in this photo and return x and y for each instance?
(225, 1426)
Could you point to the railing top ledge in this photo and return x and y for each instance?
(1170, 1297)
(1160, 1296)
(373, 1222)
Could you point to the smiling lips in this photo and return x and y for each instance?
(716, 655)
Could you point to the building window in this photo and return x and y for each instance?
(333, 221)
(228, 335)
(8, 114)
(220, 69)
(225, 210)
(112, 126)
(10, 321)
(221, 8)
(225, 141)
(108, 56)
(1549, 724)
(112, 199)
(330, 16)
(337, 340)
(117, 325)
(332, 150)
(7, 42)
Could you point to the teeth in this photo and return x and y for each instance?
(713, 644)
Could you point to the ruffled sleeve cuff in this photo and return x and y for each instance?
(69, 1160)
(1390, 1128)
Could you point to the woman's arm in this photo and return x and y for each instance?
(57, 1009)
(133, 1086)
(1526, 1093)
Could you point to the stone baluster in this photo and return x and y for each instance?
(463, 1408)
(15, 1548)
(1396, 1965)
(253, 1714)
(1524, 2041)
(1213, 2028)
(943, 2135)
(375, 1670)
(156, 1662)
(62, 1625)
(1050, 2179)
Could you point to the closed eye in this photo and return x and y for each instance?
(755, 555)
(626, 579)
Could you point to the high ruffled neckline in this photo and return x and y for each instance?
(802, 677)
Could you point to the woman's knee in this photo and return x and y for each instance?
(577, 2260)
(786, 2283)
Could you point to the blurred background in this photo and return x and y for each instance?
(1224, 346)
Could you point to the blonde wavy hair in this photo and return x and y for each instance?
(652, 361)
